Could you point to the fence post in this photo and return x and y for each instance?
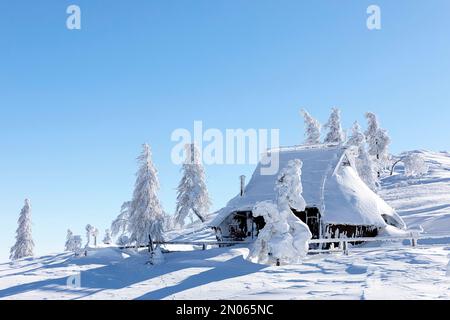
(345, 247)
(414, 237)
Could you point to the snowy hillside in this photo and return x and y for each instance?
(424, 200)
(390, 271)
(223, 273)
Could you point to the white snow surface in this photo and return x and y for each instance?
(341, 196)
(425, 200)
(390, 272)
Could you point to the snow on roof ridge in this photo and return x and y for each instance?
(304, 147)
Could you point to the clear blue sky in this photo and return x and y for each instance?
(75, 106)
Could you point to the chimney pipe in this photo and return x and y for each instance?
(242, 184)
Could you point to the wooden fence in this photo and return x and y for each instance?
(343, 243)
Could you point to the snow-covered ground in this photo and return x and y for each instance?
(425, 200)
(378, 273)
(387, 272)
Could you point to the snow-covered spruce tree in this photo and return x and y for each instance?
(146, 213)
(363, 162)
(69, 241)
(24, 245)
(284, 238)
(289, 186)
(378, 142)
(95, 235)
(73, 243)
(274, 242)
(312, 128)
(372, 126)
(192, 192)
(289, 191)
(335, 133)
(76, 245)
(415, 165)
(120, 225)
(357, 137)
(89, 230)
(107, 239)
(365, 169)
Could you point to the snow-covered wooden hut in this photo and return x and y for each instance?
(339, 203)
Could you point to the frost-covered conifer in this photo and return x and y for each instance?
(372, 127)
(107, 239)
(69, 240)
(24, 245)
(73, 242)
(335, 133)
(274, 242)
(76, 244)
(312, 129)
(192, 195)
(95, 235)
(89, 230)
(289, 191)
(289, 187)
(284, 238)
(415, 165)
(357, 138)
(378, 142)
(146, 213)
(363, 162)
(365, 169)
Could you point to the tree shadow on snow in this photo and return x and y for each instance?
(133, 270)
(235, 267)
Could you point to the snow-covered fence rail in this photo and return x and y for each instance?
(375, 239)
(343, 242)
(203, 244)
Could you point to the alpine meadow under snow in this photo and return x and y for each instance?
(336, 186)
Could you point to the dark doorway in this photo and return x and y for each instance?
(244, 225)
(238, 229)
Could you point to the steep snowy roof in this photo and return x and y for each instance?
(341, 196)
